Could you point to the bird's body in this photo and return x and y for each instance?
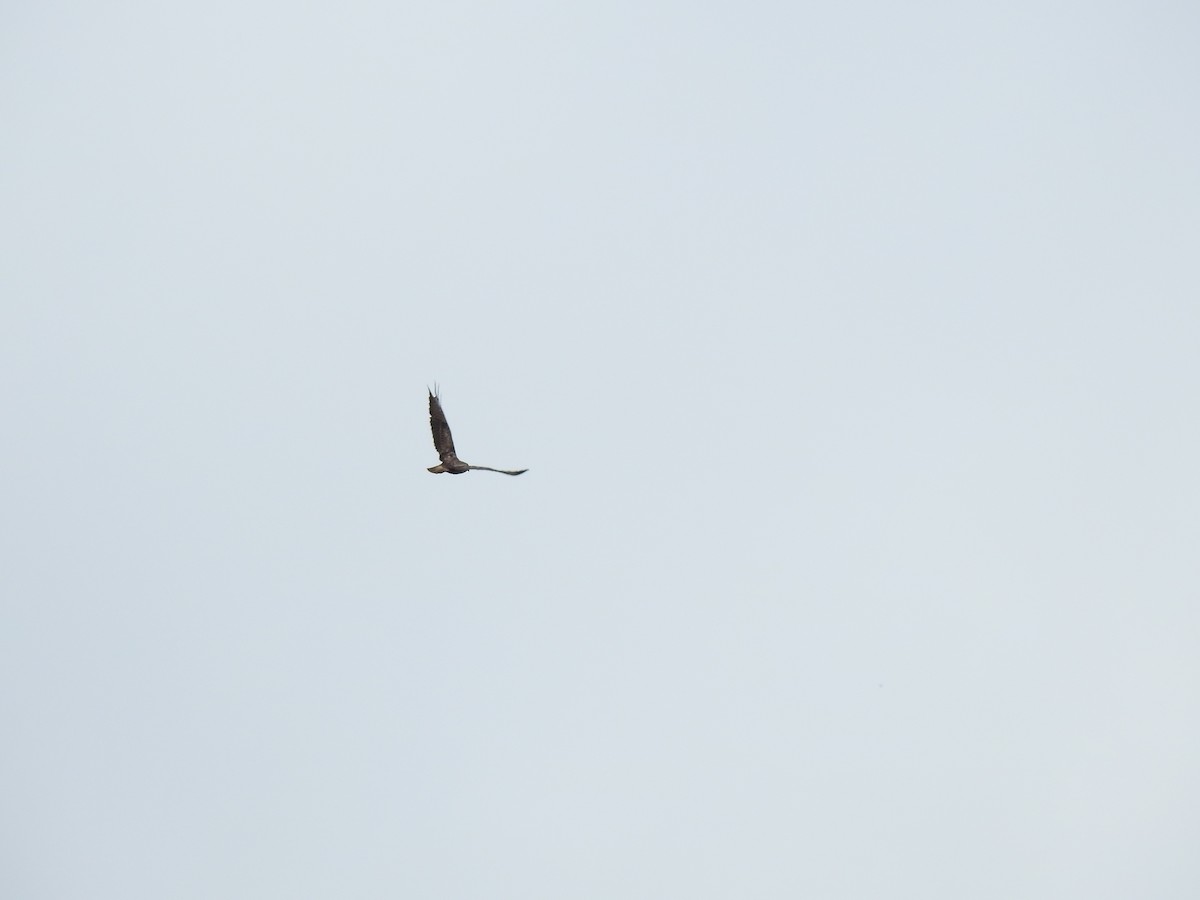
(443, 442)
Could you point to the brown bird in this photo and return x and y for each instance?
(445, 444)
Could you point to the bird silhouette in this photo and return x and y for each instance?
(444, 443)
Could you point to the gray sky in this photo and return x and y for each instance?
(854, 352)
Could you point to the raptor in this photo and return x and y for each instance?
(444, 442)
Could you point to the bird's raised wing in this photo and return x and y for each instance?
(442, 440)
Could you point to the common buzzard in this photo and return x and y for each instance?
(445, 445)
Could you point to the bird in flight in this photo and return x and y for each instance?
(445, 445)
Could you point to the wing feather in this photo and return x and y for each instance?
(443, 442)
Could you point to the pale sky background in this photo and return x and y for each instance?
(853, 349)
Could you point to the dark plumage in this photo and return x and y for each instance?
(444, 442)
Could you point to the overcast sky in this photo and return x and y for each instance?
(854, 353)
